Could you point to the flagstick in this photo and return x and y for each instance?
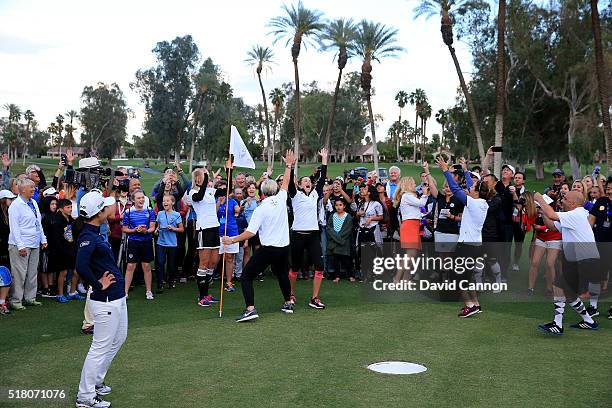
(229, 178)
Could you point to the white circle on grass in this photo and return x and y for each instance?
(397, 367)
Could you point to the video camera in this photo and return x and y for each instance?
(89, 175)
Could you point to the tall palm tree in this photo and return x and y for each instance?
(602, 84)
(447, 9)
(500, 83)
(261, 58)
(442, 117)
(416, 99)
(298, 24)
(402, 99)
(373, 41)
(337, 35)
(277, 97)
(72, 115)
(28, 115)
(424, 114)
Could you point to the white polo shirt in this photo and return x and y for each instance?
(474, 215)
(305, 211)
(205, 209)
(410, 206)
(271, 221)
(577, 235)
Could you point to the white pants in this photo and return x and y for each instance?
(110, 331)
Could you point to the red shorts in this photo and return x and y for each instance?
(410, 236)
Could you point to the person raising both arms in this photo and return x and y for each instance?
(305, 230)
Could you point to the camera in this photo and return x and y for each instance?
(96, 177)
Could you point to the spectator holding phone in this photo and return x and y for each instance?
(139, 225)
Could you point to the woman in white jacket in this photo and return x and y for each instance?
(410, 219)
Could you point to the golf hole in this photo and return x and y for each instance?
(397, 367)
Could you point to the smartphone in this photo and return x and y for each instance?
(64, 159)
(497, 149)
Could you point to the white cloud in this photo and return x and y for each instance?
(51, 50)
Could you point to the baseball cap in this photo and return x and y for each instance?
(93, 202)
(510, 167)
(6, 194)
(89, 163)
(473, 174)
(51, 191)
(558, 172)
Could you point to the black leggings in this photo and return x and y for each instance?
(306, 241)
(275, 257)
(343, 267)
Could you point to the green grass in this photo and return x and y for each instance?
(180, 355)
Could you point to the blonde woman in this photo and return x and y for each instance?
(580, 186)
(409, 205)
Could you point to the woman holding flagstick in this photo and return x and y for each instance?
(271, 221)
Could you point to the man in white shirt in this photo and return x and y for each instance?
(25, 239)
(271, 222)
(580, 260)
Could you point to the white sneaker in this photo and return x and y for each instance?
(150, 296)
(82, 290)
(103, 389)
(515, 268)
(95, 402)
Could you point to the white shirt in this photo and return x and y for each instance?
(577, 235)
(271, 221)
(474, 215)
(25, 227)
(206, 209)
(410, 206)
(305, 211)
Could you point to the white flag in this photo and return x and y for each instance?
(242, 157)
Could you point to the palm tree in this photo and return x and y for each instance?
(14, 117)
(59, 128)
(277, 97)
(261, 57)
(442, 117)
(72, 114)
(402, 99)
(298, 24)
(424, 114)
(602, 84)
(500, 84)
(338, 34)
(373, 41)
(416, 99)
(28, 115)
(429, 8)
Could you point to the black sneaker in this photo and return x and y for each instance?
(46, 293)
(287, 307)
(592, 311)
(88, 330)
(260, 277)
(247, 315)
(95, 402)
(316, 303)
(551, 328)
(610, 313)
(585, 326)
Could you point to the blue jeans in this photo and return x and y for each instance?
(165, 255)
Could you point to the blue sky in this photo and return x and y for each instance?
(50, 50)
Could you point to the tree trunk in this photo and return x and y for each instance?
(539, 166)
(500, 85)
(332, 112)
(416, 133)
(571, 131)
(265, 105)
(424, 140)
(602, 83)
(470, 105)
(298, 116)
(373, 131)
